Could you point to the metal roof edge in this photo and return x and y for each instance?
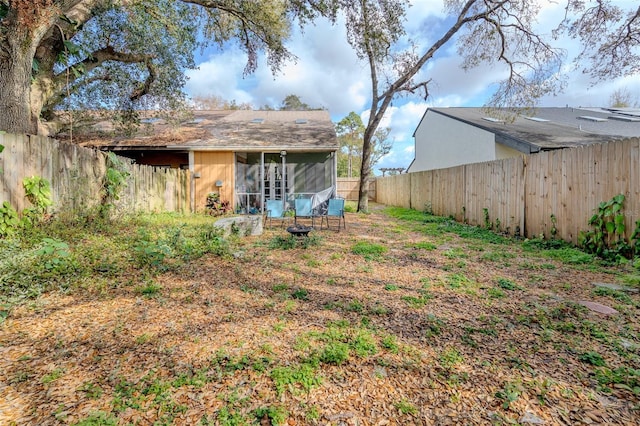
(515, 143)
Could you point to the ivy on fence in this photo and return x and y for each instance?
(38, 192)
(115, 180)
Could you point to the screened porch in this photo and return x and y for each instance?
(283, 176)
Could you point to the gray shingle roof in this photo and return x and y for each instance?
(549, 128)
(250, 130)
(237, 131)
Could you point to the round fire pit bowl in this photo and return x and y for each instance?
(299, 230)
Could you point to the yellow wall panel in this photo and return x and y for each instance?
(214, 166)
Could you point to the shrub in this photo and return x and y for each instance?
(9, 219)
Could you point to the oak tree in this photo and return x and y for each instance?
(125, 54)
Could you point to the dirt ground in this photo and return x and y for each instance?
(439, 329)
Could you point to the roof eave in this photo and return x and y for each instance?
(515, 143)
(500, 137)
(254, 149)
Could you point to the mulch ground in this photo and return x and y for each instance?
(467, 353)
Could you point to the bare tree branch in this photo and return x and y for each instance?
(146, 86)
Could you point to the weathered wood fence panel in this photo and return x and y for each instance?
(526, 195)
(493, 192)
(76, 175)
(348, 188)
(421, 192)
(570, 183)
(447, 193)
(401, 197)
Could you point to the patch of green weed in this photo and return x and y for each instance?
(301, 294)
(364, 344)
(622, 377)
(417, 302)
(283, 242)
(423, 245)
(412, 215)
(495, 293)
(98, 418)
(53, 376)
(369, 251)
(355, 306)
(538, 244)
(405, 407)
(568, 255)
(593, 358)
(618, 295)
(473, 232)
(457, 281)
(231, 417)
(509, 393)
(335, 353)
(632, 279)
(312, 413)
(449, 358)
(507, 284)
(277, 415)
(455, 253)
(150, 289)
(280, 288)
(390, 343)
(497, 256)
(294, 378)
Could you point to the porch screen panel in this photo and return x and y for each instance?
(248, 188)
(312, 172)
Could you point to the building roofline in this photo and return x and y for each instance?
(500, 137)
(251, 149)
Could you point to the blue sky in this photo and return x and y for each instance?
(328, 74)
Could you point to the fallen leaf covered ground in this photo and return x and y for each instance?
(389, 322)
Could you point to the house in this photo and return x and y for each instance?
(448, 137)
(245, 156)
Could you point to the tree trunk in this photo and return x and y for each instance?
(15, 74)
(365, 170)
(16, 64)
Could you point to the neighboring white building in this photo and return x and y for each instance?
(449, 137)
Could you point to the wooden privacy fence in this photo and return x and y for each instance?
(348, 188)
(76, 175)
(521, 195)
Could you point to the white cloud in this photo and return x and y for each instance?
(402, 120)
(219, 76)
(328, 74)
